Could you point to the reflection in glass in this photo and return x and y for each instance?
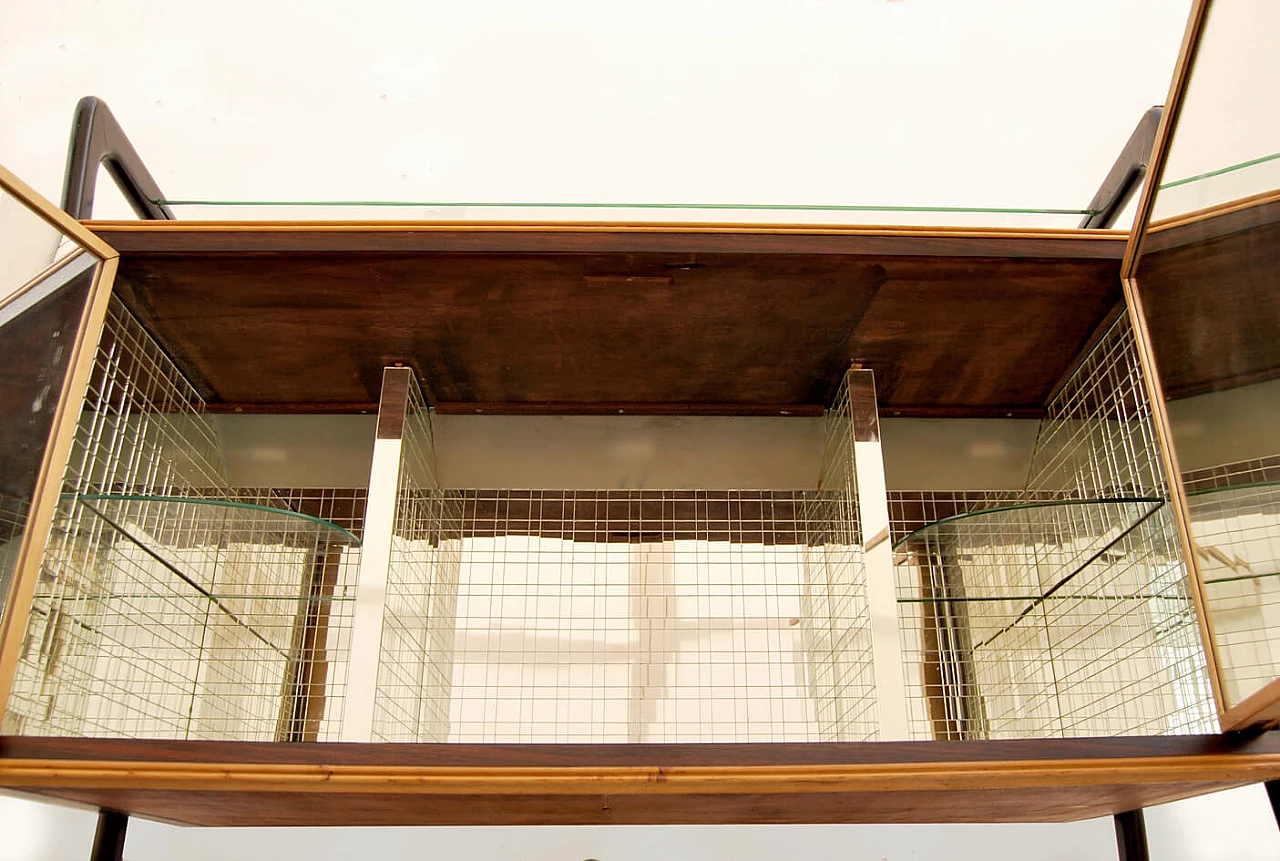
(1208, 280)
(39, 323)
(30, 245)
(1053, 619)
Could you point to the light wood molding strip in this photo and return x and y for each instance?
(1164, 135)
(1119, 236)
(635, 780)
(178, 237)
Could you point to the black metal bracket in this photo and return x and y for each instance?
(1126, 175)
(97, 139)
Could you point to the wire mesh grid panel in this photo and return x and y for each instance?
(168, 604)
(637, 616)
(316, 681)
(1054, 619)
(1097, 439)
(1066, 614)
(621, 616)
(837, 615)
(1235, 528)
(414, 676)
(937, 687)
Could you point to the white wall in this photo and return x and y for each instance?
(914, 102)
(917, 102)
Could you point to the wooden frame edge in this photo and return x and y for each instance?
(337, 226)
(1183, 68)
(1259, 709)
(1177, 491)
(634, 780)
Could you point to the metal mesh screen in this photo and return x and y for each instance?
(837, 614)
(1066, 614)
(622, 616)
(168, 604)
(627, 616)
(416, 658)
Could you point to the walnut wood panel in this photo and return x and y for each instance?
(571, 332)
(211, 783)
(946, 338)
(1212, 305)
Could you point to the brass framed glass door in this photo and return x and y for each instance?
(55, 279)
(1206, 285)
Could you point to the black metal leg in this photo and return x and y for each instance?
(1273, 793)
(1131, 836)
(108, 842)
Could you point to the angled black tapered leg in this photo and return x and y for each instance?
(1273, 793)
(1131, 836)
(108, 842)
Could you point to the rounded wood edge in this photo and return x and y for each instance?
(636, 780)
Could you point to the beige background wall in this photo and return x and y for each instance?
(626, 452)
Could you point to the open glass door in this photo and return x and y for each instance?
(1208, 282)
(55, 278)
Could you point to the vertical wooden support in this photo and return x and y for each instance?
(108, 840)
(877, 557)
(375, 556)
(1131, 836)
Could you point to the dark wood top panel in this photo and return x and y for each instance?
(213, 237)
(1213, 307)
(571, 332)
(242, 784)
(507, 328)
(953, 339)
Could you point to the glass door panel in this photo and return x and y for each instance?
(1209, 280)
(55, 277)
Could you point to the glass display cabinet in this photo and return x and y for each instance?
(389, 523)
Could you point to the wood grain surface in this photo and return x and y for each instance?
(601, 327)
(213, 783)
